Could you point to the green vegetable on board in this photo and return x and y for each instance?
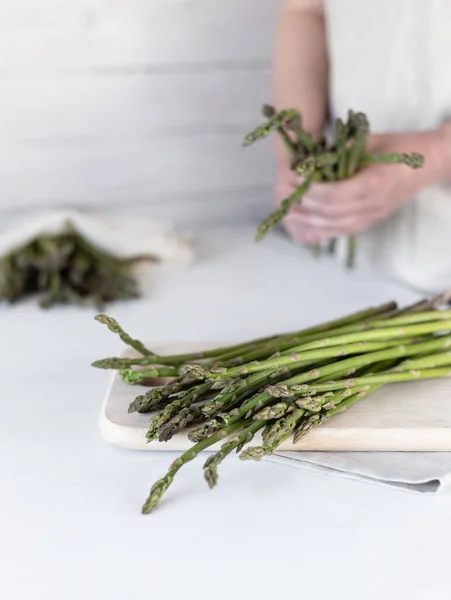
(280, 386)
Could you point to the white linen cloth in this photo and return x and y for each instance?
(424, 472)
(123, 237)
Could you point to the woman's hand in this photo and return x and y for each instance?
(348, 207)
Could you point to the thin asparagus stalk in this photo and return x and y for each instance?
(159, 488)
(413, 160)
(352, 252)
(377, 334)
(332, 246)
(425, 362)
(358, 146)
(369, 324)
(310, 357)
(415, 317)
(342, 153)
(354, 159)
(316, 249)
(114, 326)
(369, 380)
(179, 359)
(305, 140)
(270, 113)
(276, 217)
(276, 122)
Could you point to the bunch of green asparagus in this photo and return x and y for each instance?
(319, 161)
(66, 269)
(282, 385)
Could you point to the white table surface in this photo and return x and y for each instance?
(70, 522)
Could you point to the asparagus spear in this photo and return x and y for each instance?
(276, 217)
(275, 122)
(114, 326)
(162, 484)
(358, 146)
(369, 380)
(413, 160)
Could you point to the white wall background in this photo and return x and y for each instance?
(134, 103)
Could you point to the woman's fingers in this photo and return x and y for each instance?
(333, 210)
(314, 227)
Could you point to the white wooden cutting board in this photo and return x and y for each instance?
(412, 416)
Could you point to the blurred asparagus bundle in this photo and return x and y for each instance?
(317, 161)
(282, 385)
(66, 269)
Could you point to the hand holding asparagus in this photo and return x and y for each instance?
(336, 208)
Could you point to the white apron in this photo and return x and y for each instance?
(392, 60)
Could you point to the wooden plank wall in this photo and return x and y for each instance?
(132, 104)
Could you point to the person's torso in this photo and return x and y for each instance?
(392, 60)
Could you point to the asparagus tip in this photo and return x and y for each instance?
(276, 411)
(107, 363)
(279, 391)
(211, 476)
(253, 453)
(261, 233)
(99, 364)
(111, 323)
(131, 376)
(157, 491)
(195, 371)
(268, 111)
(414, 160)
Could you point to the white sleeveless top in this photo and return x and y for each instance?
(392, 60)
